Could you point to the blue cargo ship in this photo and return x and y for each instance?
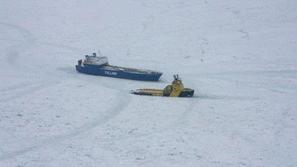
(98, 65)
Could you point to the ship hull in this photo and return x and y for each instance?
(119, 72)
(186, 92)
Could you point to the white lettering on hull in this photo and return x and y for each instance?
(110, 73)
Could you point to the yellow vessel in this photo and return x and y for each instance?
(176, 89)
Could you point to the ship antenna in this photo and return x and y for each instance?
(99, 52)
(176, 77)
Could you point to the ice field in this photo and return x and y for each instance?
(239, 56)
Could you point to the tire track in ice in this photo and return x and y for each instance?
(26, 88)
(16, 87)
(14, 51)
(121, 102)
(20, 92)
(12, 54)
(26, 42)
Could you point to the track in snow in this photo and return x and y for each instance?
(23, 89)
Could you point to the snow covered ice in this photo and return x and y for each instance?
(239, 56)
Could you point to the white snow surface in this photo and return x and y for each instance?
(239, 56)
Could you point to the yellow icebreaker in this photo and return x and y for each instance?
(176, 89)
